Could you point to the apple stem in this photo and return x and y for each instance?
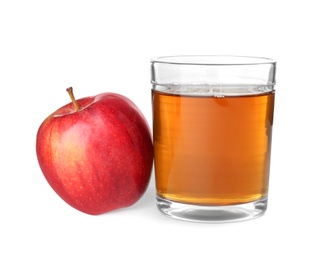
(76, 105)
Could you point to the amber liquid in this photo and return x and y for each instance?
(212, 150)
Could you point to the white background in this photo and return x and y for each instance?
(100, 46)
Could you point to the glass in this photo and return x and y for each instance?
(212, 131)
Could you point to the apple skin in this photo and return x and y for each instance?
(99, 158)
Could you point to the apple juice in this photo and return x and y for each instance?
(212, 150)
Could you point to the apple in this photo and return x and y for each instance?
(96, 152)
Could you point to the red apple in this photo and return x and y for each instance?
(96, 153)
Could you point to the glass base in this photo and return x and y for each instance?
(212, 214)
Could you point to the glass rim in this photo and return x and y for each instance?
(212, 60)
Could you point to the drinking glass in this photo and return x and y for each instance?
(212, 131)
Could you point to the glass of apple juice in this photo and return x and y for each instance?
(212, 131)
